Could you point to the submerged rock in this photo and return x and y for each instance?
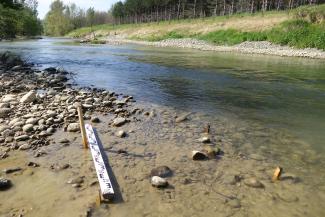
(162, 171)
(158, 182)
(5, 184)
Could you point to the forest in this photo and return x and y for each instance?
(142, 11)
(19, 18)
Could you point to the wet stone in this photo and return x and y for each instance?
(120, 133)
(119, 122)
(21, 138)
(205, 139)
(73, 127)
(12, 170)
(5, 184)
(198, 155)
(234, 203)
(161, 171)
(24, 147)
(95, 120)
(254, 183)
(77, 180)
(32, 164)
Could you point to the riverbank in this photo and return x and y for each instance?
(260, 47)
(57, 176)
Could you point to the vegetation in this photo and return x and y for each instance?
(62, 18)
(295, 29)
(19, 18)
(144, 11)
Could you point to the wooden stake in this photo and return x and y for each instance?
(277, 174)
(82, 127)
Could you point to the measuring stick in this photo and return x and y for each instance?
(105, 184)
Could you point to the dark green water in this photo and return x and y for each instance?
(287, 94)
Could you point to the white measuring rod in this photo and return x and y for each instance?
(105, 184)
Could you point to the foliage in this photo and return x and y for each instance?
(62, 18)
(18, 19)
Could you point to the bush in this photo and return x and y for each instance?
(313, 14)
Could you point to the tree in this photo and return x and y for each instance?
(57, 20)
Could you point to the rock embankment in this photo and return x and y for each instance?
(248, 47)
(34, 104)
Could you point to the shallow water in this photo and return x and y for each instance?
(280, 92)
(273, 107)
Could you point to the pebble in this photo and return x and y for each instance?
(161, 171)
(28, 128)
(158, 182)
(77, 180)
(205, 139)
(73, 127)
(32, 164)
(234, 203)
(120, 133)
(198, 155)
(95, 120)
(254, 183)
(29, 97)
(5, 184)
(21, 138)
(12, 170)
(119, 122)
(24, 147)
(181, 118)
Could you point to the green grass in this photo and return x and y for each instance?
(232, 36)
(295, 33)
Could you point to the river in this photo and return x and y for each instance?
(285, 95)
(280, 92)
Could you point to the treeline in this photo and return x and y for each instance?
(19, 18)
(140, 11)
(62, 18)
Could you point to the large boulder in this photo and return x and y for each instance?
(29, 97)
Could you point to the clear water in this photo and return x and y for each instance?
(279, 92)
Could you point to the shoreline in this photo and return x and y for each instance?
(47, 155)
(253, 47)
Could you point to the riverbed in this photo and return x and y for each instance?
(264, 111)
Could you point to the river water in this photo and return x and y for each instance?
(280, 94)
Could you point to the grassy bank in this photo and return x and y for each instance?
(303, 27)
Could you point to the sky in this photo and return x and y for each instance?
(100, 5)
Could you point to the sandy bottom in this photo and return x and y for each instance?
(197, 188)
